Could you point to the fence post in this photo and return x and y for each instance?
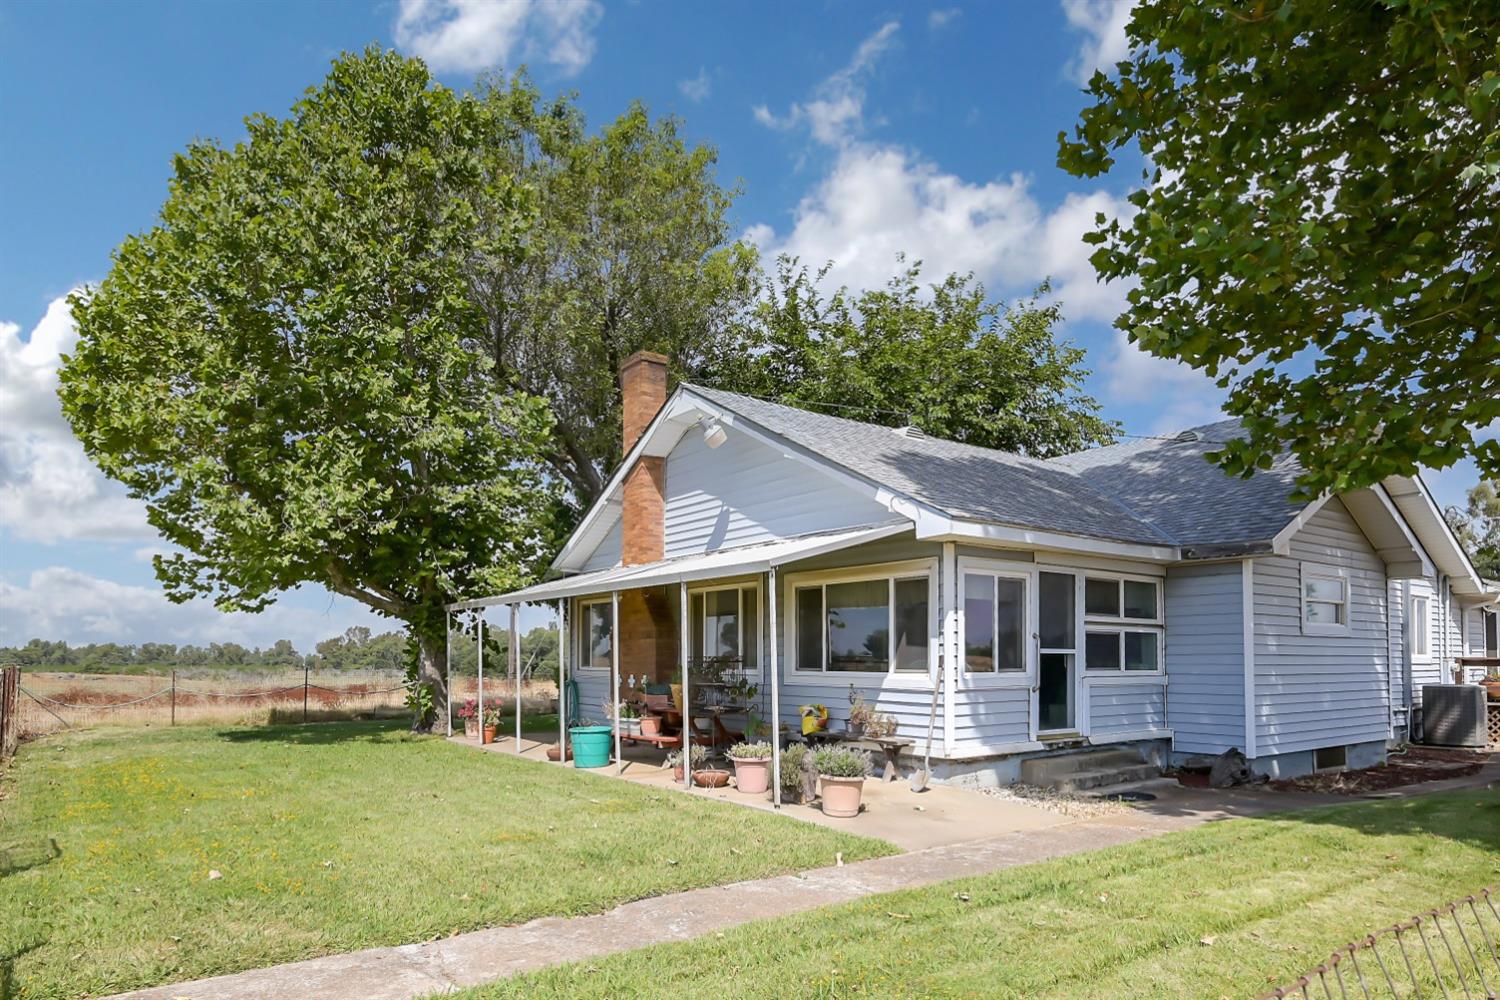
(304, 690)
(174, 697)
(10, 710)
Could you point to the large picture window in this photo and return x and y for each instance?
(994, 623)
(596, 635)
(868, 625)
(725, 625)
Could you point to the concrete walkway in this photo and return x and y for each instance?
(479, 957)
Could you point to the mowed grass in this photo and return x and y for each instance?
(329, 838)
(1227, 910)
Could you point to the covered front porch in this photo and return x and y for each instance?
(938, 817)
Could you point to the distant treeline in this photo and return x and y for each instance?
(357, 649)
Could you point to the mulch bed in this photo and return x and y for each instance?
(1410, 767)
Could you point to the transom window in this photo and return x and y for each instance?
(1325, 600)
(994, 623)
(1107, 597)
(596, 634)
(870, 625)
(725, 626)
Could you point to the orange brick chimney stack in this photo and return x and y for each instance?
(643, 388)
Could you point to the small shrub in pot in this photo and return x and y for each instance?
(843, 771)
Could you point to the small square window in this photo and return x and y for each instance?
(1101, 651)
(1141, 651)
(1140, 600)
(1101, 597)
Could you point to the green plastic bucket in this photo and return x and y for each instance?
(591, 745)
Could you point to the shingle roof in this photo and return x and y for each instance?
(1152, 491)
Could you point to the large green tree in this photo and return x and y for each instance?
(1319, 227)
(943, 357)
(286, 367)
(631, 250)
(1477, 525)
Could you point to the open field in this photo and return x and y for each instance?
(232, 698)
(328, 838)
(1230, 909)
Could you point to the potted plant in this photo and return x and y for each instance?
(1492, 685)
(469, 713)
(752, 767)
(626, 716)
(650, 724)
(710, 777)
(698, 756)
(843, 771)
(553, 753)
(591, 743)
(860, 713)
(880, 726)
(491, 721)
(799, 781)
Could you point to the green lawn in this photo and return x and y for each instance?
(329, 838)
(1270, 898)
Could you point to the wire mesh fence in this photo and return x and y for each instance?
(1448, 952)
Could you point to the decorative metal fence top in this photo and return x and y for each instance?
(1449, 952)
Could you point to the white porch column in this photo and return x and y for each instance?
(950, 641)
(562, 682)
(479, 632)
(687, 694)
(772, 642)
(448, 664)
(614, 671)
(515, 661)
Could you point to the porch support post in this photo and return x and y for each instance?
(772, 642)
(515, 661)
(614, 671)
(448, 664)
(479, 632)
(687, 694)
(562, 682)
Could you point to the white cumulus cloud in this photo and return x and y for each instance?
(474, 35)
(834, 112)
(59, 603)
(49, 490)
(1105, 43)
(696, 89)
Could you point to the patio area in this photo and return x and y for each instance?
(938, 817)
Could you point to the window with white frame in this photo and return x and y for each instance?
(725, 626)
(994, 622)
(1325, 600)
(863, 624)
(595, 636)
(1421, 629)
(1121, 601)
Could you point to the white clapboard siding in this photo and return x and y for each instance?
(743, 492)
(1321, 690)
(609, 551)
(1125, 708)
(985, 717)
(1206, 658)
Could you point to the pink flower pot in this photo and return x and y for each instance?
(841, 796)
(650, 725)
(752, 775)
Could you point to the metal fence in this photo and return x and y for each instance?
(1451, 951)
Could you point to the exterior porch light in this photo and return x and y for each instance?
(713, 434)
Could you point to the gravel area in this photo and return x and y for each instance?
(1065, 803)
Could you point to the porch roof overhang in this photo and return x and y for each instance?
(739, 561)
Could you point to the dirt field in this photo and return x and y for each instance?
(76, 701)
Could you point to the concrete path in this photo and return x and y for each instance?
(479, 957)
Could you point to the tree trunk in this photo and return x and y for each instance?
(432, 672)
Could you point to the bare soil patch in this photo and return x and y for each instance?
(1411, 766)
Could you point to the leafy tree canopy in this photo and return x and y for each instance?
(1319, 230)
(1477, 526)
(285, 367)
(944, 358)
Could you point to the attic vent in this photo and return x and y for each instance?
(1189, 437)
(910, 432)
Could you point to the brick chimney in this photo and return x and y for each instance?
(648, 625)
(643, 389)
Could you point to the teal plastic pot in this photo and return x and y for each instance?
(591, 745)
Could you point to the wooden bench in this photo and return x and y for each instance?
(661, 742)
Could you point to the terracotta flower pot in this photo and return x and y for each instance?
(841, 796)
(1493, 687)
(489, 734)
(650, 725)
(554, 754)
(471, 728)
(677, 773)
(711, 778)
(752, 775)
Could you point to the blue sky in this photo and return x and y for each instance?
(855, 130)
